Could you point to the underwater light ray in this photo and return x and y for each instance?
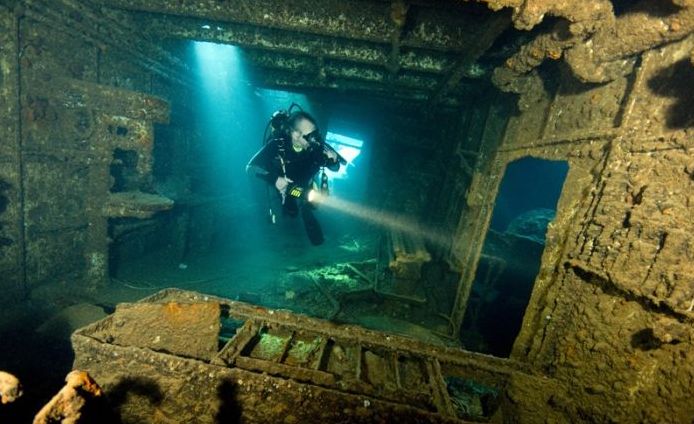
(384, 219)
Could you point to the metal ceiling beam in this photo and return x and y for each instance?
(324, 69)
(283, 79)
(432, 28)
(279, 78)
(159, 26)
(403, 79)
(497, 25)
(398, 16)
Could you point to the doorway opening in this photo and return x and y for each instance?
(511, 255)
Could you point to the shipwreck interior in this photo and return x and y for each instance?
(509, 238)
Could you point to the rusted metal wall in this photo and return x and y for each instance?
(611, 309)
(56, 154)
(407, 155)
(12, 263)
(61, 122)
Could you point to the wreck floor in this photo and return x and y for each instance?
(257, 271)
(272, 274)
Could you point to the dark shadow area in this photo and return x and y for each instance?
(40, 364)
(621, 7)
(511, 254)
(4, 202)
(676, 81)
(645, 340)
(138, 386)
(123, 169)
(229, 409)
(144, 388)
(472, 400)
(97, 411)
(655, 9)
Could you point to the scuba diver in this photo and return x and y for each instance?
(290, 158)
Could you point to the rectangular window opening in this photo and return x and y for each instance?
(348, 147)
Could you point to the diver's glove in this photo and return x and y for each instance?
(281, 184)
(330, 154)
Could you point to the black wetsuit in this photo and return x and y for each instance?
(300, 167)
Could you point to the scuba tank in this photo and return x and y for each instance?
(324, 187)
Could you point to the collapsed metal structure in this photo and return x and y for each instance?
(275, 366)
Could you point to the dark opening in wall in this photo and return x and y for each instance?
(118, 130)
(511, 254)
(124, 170)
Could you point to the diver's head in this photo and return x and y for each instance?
(301, 124)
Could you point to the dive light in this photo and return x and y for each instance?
(311, 195)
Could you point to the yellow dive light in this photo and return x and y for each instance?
(311, 195)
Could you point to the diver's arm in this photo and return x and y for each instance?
(261, 164)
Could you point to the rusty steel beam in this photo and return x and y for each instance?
(493, 30)
(287, 80)
(404, 79)
(326, 69)
(289, 62)
(246, 36)
(365, 20)
(398, 16)
(283, 78)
